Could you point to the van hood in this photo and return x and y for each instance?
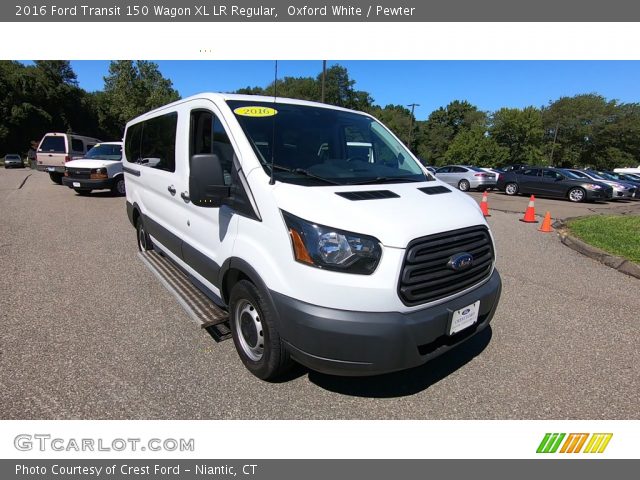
(90, 163)
(394, 221)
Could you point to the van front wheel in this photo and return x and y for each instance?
(255, 334)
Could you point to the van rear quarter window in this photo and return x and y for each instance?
(53, 145)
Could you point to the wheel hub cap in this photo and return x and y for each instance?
(249, 326)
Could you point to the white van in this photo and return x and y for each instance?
(99, 169)
(55, 149)
(344, 265)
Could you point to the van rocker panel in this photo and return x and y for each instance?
(346, 342)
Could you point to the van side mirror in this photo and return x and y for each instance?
(206, 181)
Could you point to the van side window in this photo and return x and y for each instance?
(158, 148)
(208, 136)
(77, 145)
(132, 143)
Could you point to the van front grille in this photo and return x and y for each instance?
(426, 275)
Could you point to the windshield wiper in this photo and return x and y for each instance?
(390, 180)
(302, 171)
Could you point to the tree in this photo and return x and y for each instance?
(131, 89)
(40, 98)
(339, 89)
(443, 125)
(577, 123)
(521, 131)
(474, 146)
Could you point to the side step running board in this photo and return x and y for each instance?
(197, 305)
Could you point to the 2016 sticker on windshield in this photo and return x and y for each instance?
(255, 111)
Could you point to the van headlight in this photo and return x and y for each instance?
(332, 249)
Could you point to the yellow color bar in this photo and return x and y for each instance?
(607, 438)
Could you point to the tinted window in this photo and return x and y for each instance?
(443, 170)
(458, 170)
(208, 136)
(53, 145)
(77, 145)
(158, 148)
(532, 172)
(132, 143)
(551, 174)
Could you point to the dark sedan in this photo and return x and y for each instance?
(553, 182)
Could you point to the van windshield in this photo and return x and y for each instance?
(105, 152)
(319, 146)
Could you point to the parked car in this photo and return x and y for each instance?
(100, 169)
(56, 149)
(620, 190)
(344, 265)
(465, 177)
(13, 160)
(628, 178)
(553, 182)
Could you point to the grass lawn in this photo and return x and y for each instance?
(615, 234)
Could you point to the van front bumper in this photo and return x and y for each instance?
(344, 342)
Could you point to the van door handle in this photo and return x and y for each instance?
(172, 190)
(185, 197)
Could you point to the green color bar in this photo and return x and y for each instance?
(543, 443)
(558, 442)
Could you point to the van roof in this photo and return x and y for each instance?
(213, 96)
(70, 134)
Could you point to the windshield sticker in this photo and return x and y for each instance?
(254, 111)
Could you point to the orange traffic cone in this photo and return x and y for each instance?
(546, 224)
(484, 205)
(530, 213)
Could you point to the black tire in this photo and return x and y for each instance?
(118, 187)
(577, 195)
(143, 240)
(511, 188)
(255, 334)
(81, 191)
(464, 185)
(56, 177)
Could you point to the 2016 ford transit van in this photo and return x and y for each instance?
(347, 263)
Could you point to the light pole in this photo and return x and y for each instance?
(413, 106)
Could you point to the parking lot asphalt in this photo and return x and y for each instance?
(87, 332)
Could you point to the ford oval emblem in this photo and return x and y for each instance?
(460, 261)
(465, 311)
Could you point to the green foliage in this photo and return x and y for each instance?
(339, 89)
(474, 146)
(443, 125)
(521, 132)
(131, 89)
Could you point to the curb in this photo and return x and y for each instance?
(618, 263)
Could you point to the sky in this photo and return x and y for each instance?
(489, 85)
